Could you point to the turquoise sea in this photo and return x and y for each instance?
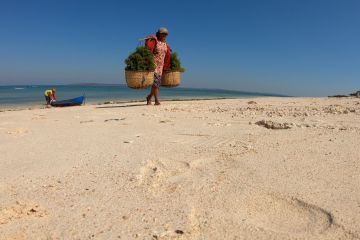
(26, 96)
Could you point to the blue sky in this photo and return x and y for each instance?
(295, 47)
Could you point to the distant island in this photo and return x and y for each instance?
(95, 84)
(354, 94)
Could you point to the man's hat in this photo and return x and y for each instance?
(163, 30)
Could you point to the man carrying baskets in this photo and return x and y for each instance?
(162, 55)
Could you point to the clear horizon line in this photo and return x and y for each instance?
(122, 84)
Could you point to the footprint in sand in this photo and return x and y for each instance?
(162, 174)
(219, 124)
(203, 140)
(18, 131)
(263, 216)
(39, 117)
(20, 210)
(169, 175)
(285, 215)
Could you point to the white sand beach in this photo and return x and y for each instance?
(183, 170)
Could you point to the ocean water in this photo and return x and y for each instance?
(24, 96)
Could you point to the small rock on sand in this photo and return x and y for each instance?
(179, 231)
(273, 125)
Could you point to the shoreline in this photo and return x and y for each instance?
(32, 97)
(113, 102)
(42, 106)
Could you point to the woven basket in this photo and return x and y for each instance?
(171, 79)
(139, 80)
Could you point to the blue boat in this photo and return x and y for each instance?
(69, 102)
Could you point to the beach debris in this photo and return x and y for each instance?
(32, 210)
(87, 121)
(128, 141)
(179, 231)
(165, 121)
(114, 119)
(252, 102)
(273, 125)
(109, 102)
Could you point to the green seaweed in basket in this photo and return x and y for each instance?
(140, 60)
(175, 63)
